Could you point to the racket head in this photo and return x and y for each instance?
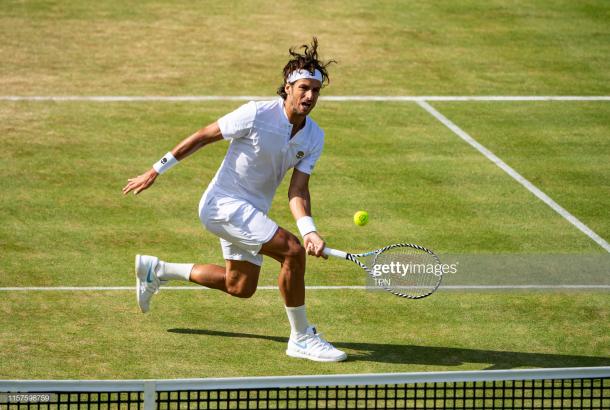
(405, 269)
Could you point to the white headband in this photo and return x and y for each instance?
(301, 74)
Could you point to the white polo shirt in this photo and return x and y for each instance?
(261, 151)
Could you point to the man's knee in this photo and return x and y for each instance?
(296, 251)
(241, 290)
(293, 248)
(242, 278)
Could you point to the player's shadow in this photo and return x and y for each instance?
(435, 356)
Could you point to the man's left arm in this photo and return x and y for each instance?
(300, 206)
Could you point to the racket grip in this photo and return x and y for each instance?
(333, 252)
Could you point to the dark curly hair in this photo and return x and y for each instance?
(308, 60)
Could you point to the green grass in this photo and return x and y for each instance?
(68, 224)
(389, 47)
(419, 183)
(65, 222)
(208, 334)
(560, 147)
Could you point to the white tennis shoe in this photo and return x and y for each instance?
(147, 282)
(312, 346)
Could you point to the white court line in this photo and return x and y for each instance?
(131, 288)
(338, 98)
(463, 98)
(107, 288)
(516, 176)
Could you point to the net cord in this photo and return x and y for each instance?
(145, 385)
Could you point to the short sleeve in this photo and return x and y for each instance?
(307, 164)
(238, 123)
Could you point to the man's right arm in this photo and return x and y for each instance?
(198, 140)
(188, 146)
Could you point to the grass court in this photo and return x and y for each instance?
(65, 222)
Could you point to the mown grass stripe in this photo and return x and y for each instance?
(448, 287)
(516, 176)
(335, 98)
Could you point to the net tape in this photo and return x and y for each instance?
(545, 389)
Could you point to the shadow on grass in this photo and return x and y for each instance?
(436, 356)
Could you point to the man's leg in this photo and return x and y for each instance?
(211, 276)
(304, 340)
(285, 248)
(237, 278)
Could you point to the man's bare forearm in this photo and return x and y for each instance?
(189, 145)
(300, 204)
(298, 195)
(199, 139)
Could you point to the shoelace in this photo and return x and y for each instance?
(319, 343)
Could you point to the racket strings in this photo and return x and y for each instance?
(406, 271)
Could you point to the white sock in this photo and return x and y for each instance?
(298, 319)
(174, 271)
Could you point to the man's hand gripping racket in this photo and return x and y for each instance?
(403, 269)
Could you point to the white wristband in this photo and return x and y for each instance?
(165, 163)
(306, 225)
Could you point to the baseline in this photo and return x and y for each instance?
(337, 98)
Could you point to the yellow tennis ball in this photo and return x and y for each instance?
(361, 218)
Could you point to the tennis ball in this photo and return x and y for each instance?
(361, 218)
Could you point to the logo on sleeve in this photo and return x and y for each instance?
(300, 154)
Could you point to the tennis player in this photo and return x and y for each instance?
(267, 138)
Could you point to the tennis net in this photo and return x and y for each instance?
(572, 388)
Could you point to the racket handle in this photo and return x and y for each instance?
(333, 252)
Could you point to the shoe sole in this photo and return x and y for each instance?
(138, 283)
(298, 355)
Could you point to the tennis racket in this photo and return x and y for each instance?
(403, 269)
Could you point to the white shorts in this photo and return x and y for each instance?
(242, 228)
